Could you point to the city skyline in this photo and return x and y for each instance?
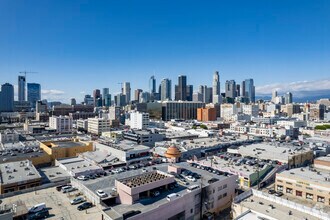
(98, 44)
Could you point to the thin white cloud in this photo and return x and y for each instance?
(294, 87)
(52, 92)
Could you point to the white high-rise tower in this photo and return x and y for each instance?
(216, 95)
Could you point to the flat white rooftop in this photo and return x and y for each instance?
(317, 176)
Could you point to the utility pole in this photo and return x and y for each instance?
(201, 202)
(258, 169)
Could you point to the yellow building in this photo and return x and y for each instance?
(64, 149)
(306, 184)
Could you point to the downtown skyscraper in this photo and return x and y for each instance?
(127, 91)
(181, 88)
(7, 98)
(216, 94)
(33, 93)
(21, 88)
(166, 89)
(249, 90)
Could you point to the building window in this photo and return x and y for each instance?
(320, 199)
(191, 210)
(298, 193)
(298, 185)
(219, 188)
(309, 196)
(279, 188)
(219, 197)
(309, 188)
(288, 183)
(280, 181)
(224, 195)
(289, 190)
(224, 186)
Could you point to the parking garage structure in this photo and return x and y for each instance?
(133, 188)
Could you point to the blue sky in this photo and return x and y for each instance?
(77, 46)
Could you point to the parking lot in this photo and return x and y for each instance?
(58, 204)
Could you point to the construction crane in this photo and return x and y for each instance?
(121, 87)
(26, 72)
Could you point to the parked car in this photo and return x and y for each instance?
(155, 193)
(59, 188)
(37, 208)
(39, 215)
(77, 200)
(190, 178)
(101, 193)
(278, 194)
(85, 205)
(271, 191)
(69, 189)
(83, 178)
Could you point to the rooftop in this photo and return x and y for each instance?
(262, 204)
(124, 145)
(317, 176)
(18, 171)
(77, 164)
(272, 151)
(148, 204)
(68, 144)
(144, 179)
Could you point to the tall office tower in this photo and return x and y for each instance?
(152, 85)
(105, 92)
(73, 101)
(231, 89)
(120, 100)
(216, 88)
(33, 93)
(89, 100)
(7, 98)
(274, 95)
(144, 97)
(238, 90)
(107, 100)
(181, 88)
(206, 93)
(21, 88)
(127, 91)
(96, 96)
(243, 88)
(137, 93)
(166, 89)
(288, 98)
(249, 90)
(190, 91)
(197, 97)
(41, 106)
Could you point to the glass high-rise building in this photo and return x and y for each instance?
(7, 98)
(249, 91)
(105, 93)
(21, 88)
(181, 88)
(33, 93)
(152, 84)
(127, 91)
(216, 96)
(166, 89)
(231, 89)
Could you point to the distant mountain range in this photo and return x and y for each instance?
(303, 96)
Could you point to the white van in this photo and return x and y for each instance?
(172, 196)
(37, 208)
(193, 187)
